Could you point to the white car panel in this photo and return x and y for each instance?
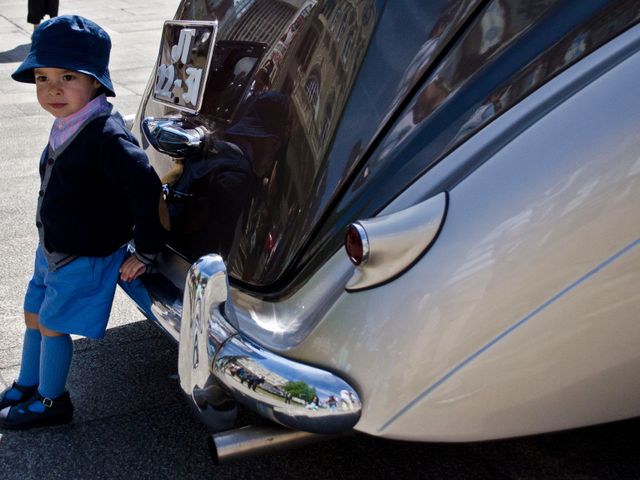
(550, 224)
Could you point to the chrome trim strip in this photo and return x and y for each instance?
(212, 351)
(364, 241)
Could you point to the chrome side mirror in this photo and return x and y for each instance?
(169, 136)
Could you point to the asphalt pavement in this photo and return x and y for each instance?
(131, 419)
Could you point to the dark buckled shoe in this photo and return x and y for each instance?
(25, 394)
(57, 411)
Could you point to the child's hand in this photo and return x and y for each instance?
(131, 269)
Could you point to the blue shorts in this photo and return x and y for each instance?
(76, 298)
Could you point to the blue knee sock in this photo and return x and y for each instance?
(30, 366)
(55, 361)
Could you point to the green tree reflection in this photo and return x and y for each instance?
(301, 390)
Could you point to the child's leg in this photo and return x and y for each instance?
(55, 361)
(29, 376)
(30, 366)
(34, 296)
(51, 357)
(51, 405)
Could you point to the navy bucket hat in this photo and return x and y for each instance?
(70, 42)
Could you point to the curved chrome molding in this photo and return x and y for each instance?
(397, 240)
(213, 353)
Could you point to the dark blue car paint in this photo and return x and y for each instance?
(432, 74)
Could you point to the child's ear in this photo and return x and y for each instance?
(96, 84)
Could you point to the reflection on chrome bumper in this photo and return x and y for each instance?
(214, 353)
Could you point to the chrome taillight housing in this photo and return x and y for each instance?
(356, 244)
(384, 247)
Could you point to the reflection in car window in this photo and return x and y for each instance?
(269, 50)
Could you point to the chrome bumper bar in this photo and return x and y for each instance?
(214, 359)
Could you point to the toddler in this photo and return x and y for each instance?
(97, 192)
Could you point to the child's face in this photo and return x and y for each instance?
(63, 92)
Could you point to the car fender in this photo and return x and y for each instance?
(522, 316)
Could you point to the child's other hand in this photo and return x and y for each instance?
(131, 269)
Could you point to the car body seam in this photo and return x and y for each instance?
(429, 390)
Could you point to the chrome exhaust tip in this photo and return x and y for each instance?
(257, 440)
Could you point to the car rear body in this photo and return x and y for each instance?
(490, 151)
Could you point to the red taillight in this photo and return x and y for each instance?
(356, 244)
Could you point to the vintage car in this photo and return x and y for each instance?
(415, 220)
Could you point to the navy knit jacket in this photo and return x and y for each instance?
(102, 192)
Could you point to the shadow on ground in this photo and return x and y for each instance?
(132, 422)
(16, 54)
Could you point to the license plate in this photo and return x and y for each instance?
(183, 64)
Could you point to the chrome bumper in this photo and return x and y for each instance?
(215, 360)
